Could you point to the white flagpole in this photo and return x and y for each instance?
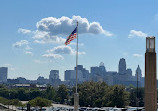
(76, 95)
(76, 56)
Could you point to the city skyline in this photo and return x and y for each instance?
(55, 73)
(33, 33)
(96, 73)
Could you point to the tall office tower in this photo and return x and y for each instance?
(122, 66)
(95, 71)
(150, 75)
(82, 74)
(54, 74)
(3, 74)
(129, 72)
(139, 72)
(68, 75)
(79, 67)
(102, 67)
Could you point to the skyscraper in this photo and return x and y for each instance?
(102, 67)
(122, 66)
(95, 70)
(83, 74)
(3, 74)
(139, 72)
(54, 74)
(68, 75)
(129, 72)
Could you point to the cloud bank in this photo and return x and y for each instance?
(20, 43)
(134, 33)
(64, 50)
(24, 31)
(53, 56)
(55, 30)
(50, 30)
(65, 25)
(58, 51)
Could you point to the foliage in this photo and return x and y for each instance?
(94, 94)
(14, 102)
(41, 102)
(117, 96)
(91, 93)
(50, 93)
(99, 94)
(133, 97)
(62, 94)
(4, 101)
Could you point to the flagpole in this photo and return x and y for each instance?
(76, 95)
(76, 57)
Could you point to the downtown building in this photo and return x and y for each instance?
(99, 73)
(124, 75)
(3, 74)
(54, 78)
(82, 75)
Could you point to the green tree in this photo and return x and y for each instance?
(133, 97)
(92, 93)
(4, 101)
(41, 102)
(62, 93)
(50, 93)
(22, 94)
(117, 96)
(15, 102)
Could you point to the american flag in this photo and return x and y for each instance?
(71, 37)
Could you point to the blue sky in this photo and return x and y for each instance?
(30, 46)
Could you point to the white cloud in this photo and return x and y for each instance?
(53, 56)
(10, 66)
(64, 50)
(45, 37)
(20, 43)
(65, 25)
(39, 41)
(24, 31)
(137, 55)
(29, 53)
(134, 33)
(58, 51)
(50, 29)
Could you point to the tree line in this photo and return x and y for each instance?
(92, 94)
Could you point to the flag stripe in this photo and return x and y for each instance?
(71, 37)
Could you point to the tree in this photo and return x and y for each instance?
(4, 101)
(50, 93)
(133, 97)
(41, 102)
(62, 93)
(15, 102)
(22, 94)
(117, 96)
(92, 93)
